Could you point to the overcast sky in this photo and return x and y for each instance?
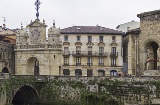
(107, 13)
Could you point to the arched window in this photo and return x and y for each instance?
(113, 73)
(101, 73)
(5, 70)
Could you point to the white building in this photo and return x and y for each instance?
(91, 51)
(128, 26)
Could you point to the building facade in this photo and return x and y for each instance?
(35, 56)
(141, 45)
(91, 51)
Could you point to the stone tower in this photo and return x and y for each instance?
(33, 55)
(53, 35)
(149, 42)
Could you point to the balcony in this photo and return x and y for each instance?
(101, 64)
(113, 65)
(66, 53)
(113, 54)
(66, 64)
(78, 64)
(89, 53)
(89, 64)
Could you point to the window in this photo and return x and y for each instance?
(101, 61)
(113, 38)
(78, 61)
(65, 38)
(78, 38)
(113, 62)
(101, 73)
(89, 72)
(89, 50)
(66, 72)
(89, 61)
(101, 38)
(78, 49)
(101, 50)
(66, 50)
(89, 38)
(78, 72)
(113, 73)
(113, 50)
(66, 61)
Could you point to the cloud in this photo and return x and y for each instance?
(108, 13)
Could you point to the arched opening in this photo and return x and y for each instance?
(26, 95)
(5, 70)
(33, 66)
(151, 55)
(113, 73)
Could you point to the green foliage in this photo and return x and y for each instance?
(74, 92)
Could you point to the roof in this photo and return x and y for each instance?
(149, 13)
(89, 30)
(133, 31)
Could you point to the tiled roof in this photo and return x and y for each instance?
(135, 31)
(149, 13)
(89, 30)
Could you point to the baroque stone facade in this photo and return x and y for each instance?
(33, 55)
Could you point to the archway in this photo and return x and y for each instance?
(151, 54)
(26, 95)
(33, 66)
(5, 70)
(113, 73)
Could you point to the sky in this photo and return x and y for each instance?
(66, 13)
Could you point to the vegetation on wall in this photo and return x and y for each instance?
(76, 91)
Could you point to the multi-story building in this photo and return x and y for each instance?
(91, 51)
(7, 50)
(128, 26)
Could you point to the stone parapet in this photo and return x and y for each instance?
(55, 46)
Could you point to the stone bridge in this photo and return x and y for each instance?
(28, 93)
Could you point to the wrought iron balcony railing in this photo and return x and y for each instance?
(89, 64)
(89, 53)
(66, 53)
(113, 54)
(101, 64)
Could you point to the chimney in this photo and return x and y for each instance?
(128, 28)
